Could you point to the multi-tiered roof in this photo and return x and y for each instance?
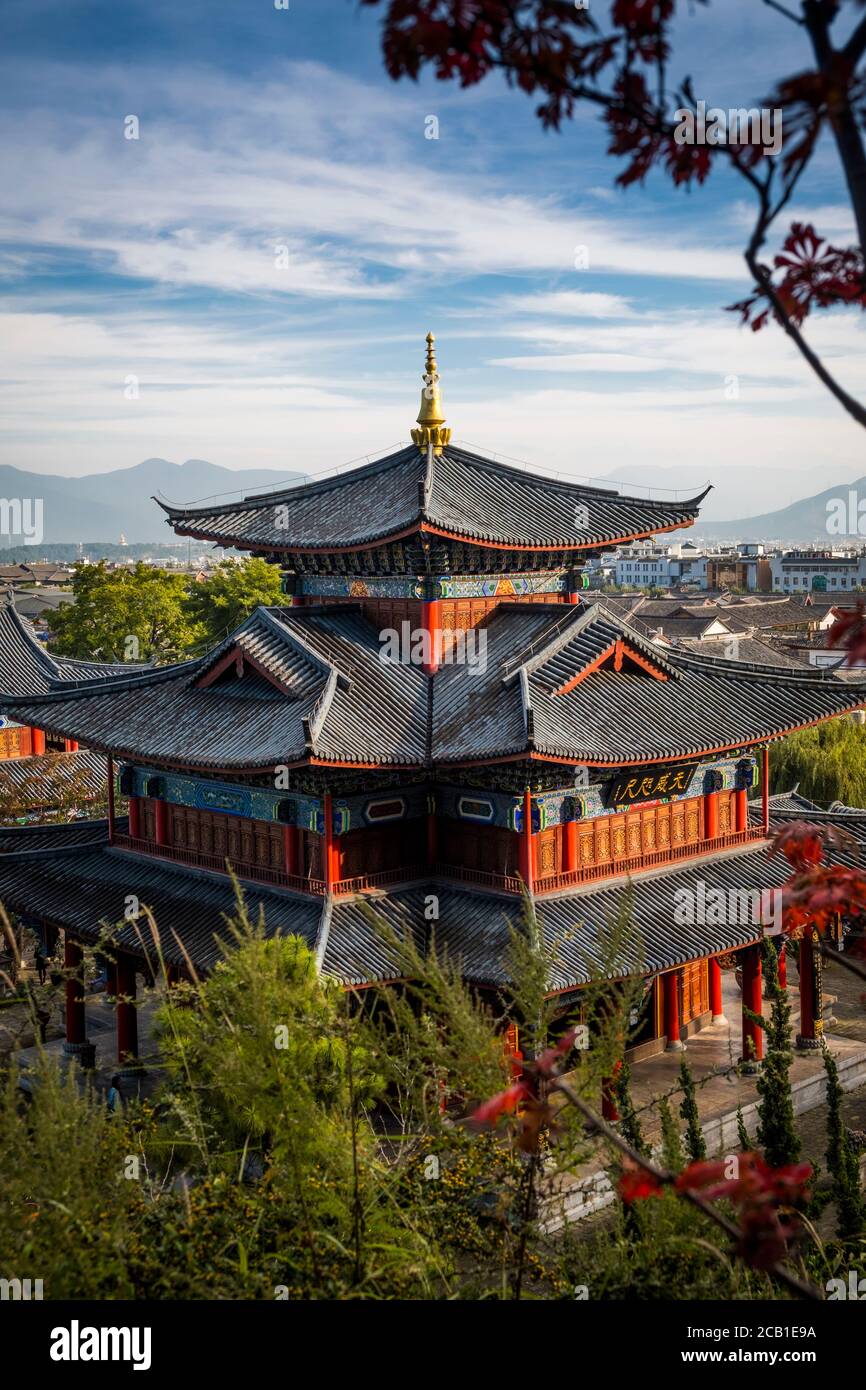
(557, 685)
(309, 687)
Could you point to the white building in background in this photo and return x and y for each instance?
(818, 571)
(645, 565)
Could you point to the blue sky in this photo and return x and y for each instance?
(156, 259)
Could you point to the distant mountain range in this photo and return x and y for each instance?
(104, 506)
(100, 507)
(803, 521)
(830, 518)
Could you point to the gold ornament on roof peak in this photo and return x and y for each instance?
(431, 420)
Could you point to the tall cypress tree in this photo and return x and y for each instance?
(629, 1124)
(695, 1144)
(777, 1134)
(672, 1144)
(842, 1161)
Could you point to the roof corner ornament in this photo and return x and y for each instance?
(431, 421)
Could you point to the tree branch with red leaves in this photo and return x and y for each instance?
(818, 893)
(563, 54)
(766, 1199)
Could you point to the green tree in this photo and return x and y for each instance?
(672, 1144)
(629, 1124)
(695, 1144)
(220, 603)
(135, 615)
(827, 763)
(776, 1132)
(842, 1161)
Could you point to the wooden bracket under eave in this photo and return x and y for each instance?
(620, 651)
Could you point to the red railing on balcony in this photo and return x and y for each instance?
(482, 878)
(611, 868)
(345, 887)
(647, 859)
(199, 859)
(479, 878)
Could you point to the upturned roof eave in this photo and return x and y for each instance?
(423, 525)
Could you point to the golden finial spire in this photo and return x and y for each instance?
(430, 417)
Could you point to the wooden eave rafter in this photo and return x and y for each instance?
(240, 659)
(620, 651)
(428, 528)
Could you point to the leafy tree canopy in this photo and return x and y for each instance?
(828, 763)
(142, 614)
(134, 615)
(219, 604)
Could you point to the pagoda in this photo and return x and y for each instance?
(435, 723)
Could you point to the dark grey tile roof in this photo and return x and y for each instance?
(335, 698)
(27, 668)
(787, 806)
(321, 690)
(614, 717)
(677, 627)
(79, 887)
(44, 781)
(15, 838)
(748, 649)
(781, 612)
(465, 494)
(85, 886)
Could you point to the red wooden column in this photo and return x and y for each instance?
(71, 745)
(161, 823)
(671, 995)
(741, 809)
(783, 962)
(752, 1033)
(126, 1013)
(330, 852)
(134, 818)
(527, 866)
(431, 622)
(609, 1111)
(37, 742)
(811, 1034)
(109, 772)
(572, 846)
(716, 990)
(765, 788)
(711, 816)
(76, 1025)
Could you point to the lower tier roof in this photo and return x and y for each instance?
(295, 686)
(52, 779)
(47, 876)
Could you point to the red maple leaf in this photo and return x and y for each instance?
(504, 1103)
(636, 1184)
(849, 633)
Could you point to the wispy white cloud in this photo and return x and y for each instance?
(204, 202)
(170, 246)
